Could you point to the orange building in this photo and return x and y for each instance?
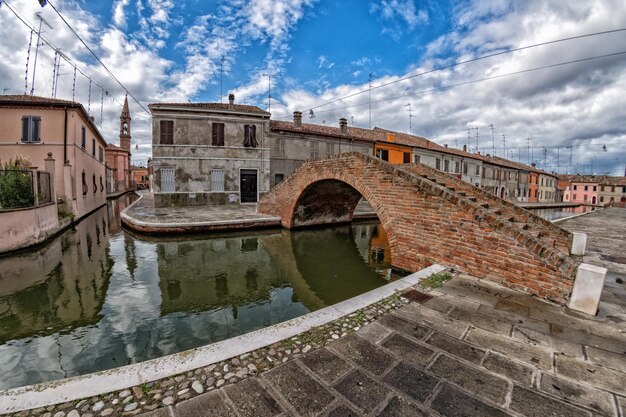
(533, 187)
(393, 152)
(140, 177)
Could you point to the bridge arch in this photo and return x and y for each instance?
(431, 217)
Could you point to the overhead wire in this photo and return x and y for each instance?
(67, 59)
(97, 58)
(441, 68)
(446, 87)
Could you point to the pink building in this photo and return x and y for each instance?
(582, 189)
(118, 157)
(36, 126)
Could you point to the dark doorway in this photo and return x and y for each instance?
(248, 186)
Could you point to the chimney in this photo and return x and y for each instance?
(231, 99)
(343, 125)
(445, 144)
(464, 148)
(93, 119)
(297, 119)
(533, 165)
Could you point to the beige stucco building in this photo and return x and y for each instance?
(36, 126)
(209, 153)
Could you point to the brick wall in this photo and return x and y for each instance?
(428, 222)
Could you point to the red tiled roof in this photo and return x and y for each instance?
(27, 99)
(323, 130)
(242, 108)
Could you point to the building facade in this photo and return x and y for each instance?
(35, 126)
(209, 153)
(118, 157)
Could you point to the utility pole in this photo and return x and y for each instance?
(493, 139)
(41, 20)
(469, 141)
(570, 158)
(529, 157)
(545, 157)
(370, 97)
(504, 144)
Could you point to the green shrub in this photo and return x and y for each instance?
(16, 188)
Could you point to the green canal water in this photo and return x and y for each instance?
(97, 297)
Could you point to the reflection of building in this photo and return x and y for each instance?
(118, 157)
(35, 126)
(68, 282)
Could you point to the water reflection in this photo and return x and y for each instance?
(97, 297)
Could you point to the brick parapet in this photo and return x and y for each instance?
(428, 223)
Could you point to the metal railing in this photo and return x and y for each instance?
(24, 189)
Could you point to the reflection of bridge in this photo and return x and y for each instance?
(431, 217)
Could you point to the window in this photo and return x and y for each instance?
(217, 179)
(457, 167)
(438, 163)
(382, 154)
(446, 165)
(478, 170)
(314, 149)
(217, 132)
(594, 188)
(567, 188)
(167, 132)
(465, 168)
(30, 129)
(278, 178)
(167, 180)
(330, 148)
(586, 188)
(249, 136)
(406, 158)
(83, 137)
(585, 197)
(484, 172)
(279, 147)
(573, 196)
(93, 147)
(416, 159)
(100, 154)
(85, 189)
(101, 184)
(612, 189)
(95, 186)
(575, 187)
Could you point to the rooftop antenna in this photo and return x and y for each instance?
(41, 20)
(493, 139)
(476, 139)
(504, 144)
(570, 158)
(222, 79)
(469, 141)
(311, 114)
(269, 90)
(4, 90)
(530, 159)
(370, 97)
(410, 117)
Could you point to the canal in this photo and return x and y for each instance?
(96, 297)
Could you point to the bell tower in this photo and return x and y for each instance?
(125, 127)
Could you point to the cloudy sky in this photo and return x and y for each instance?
(317, 52)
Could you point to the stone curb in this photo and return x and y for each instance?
(84, 386)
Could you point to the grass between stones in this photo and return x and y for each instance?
(436, 280)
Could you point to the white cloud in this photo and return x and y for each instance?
(398, 15)
(119, 13)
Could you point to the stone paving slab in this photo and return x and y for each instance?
(362, 391)
(251, 399)
(584, 395)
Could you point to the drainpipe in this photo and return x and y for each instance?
(65, 136)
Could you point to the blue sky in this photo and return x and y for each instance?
(319, 50)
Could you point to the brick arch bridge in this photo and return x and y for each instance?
(431, 217)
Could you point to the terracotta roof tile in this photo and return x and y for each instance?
(28, 99)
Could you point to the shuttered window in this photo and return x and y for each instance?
(249, 133)
(217, 134)
(31, 129)
(83, 137)
(167, 132)
(217, 179)
(167, 180)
